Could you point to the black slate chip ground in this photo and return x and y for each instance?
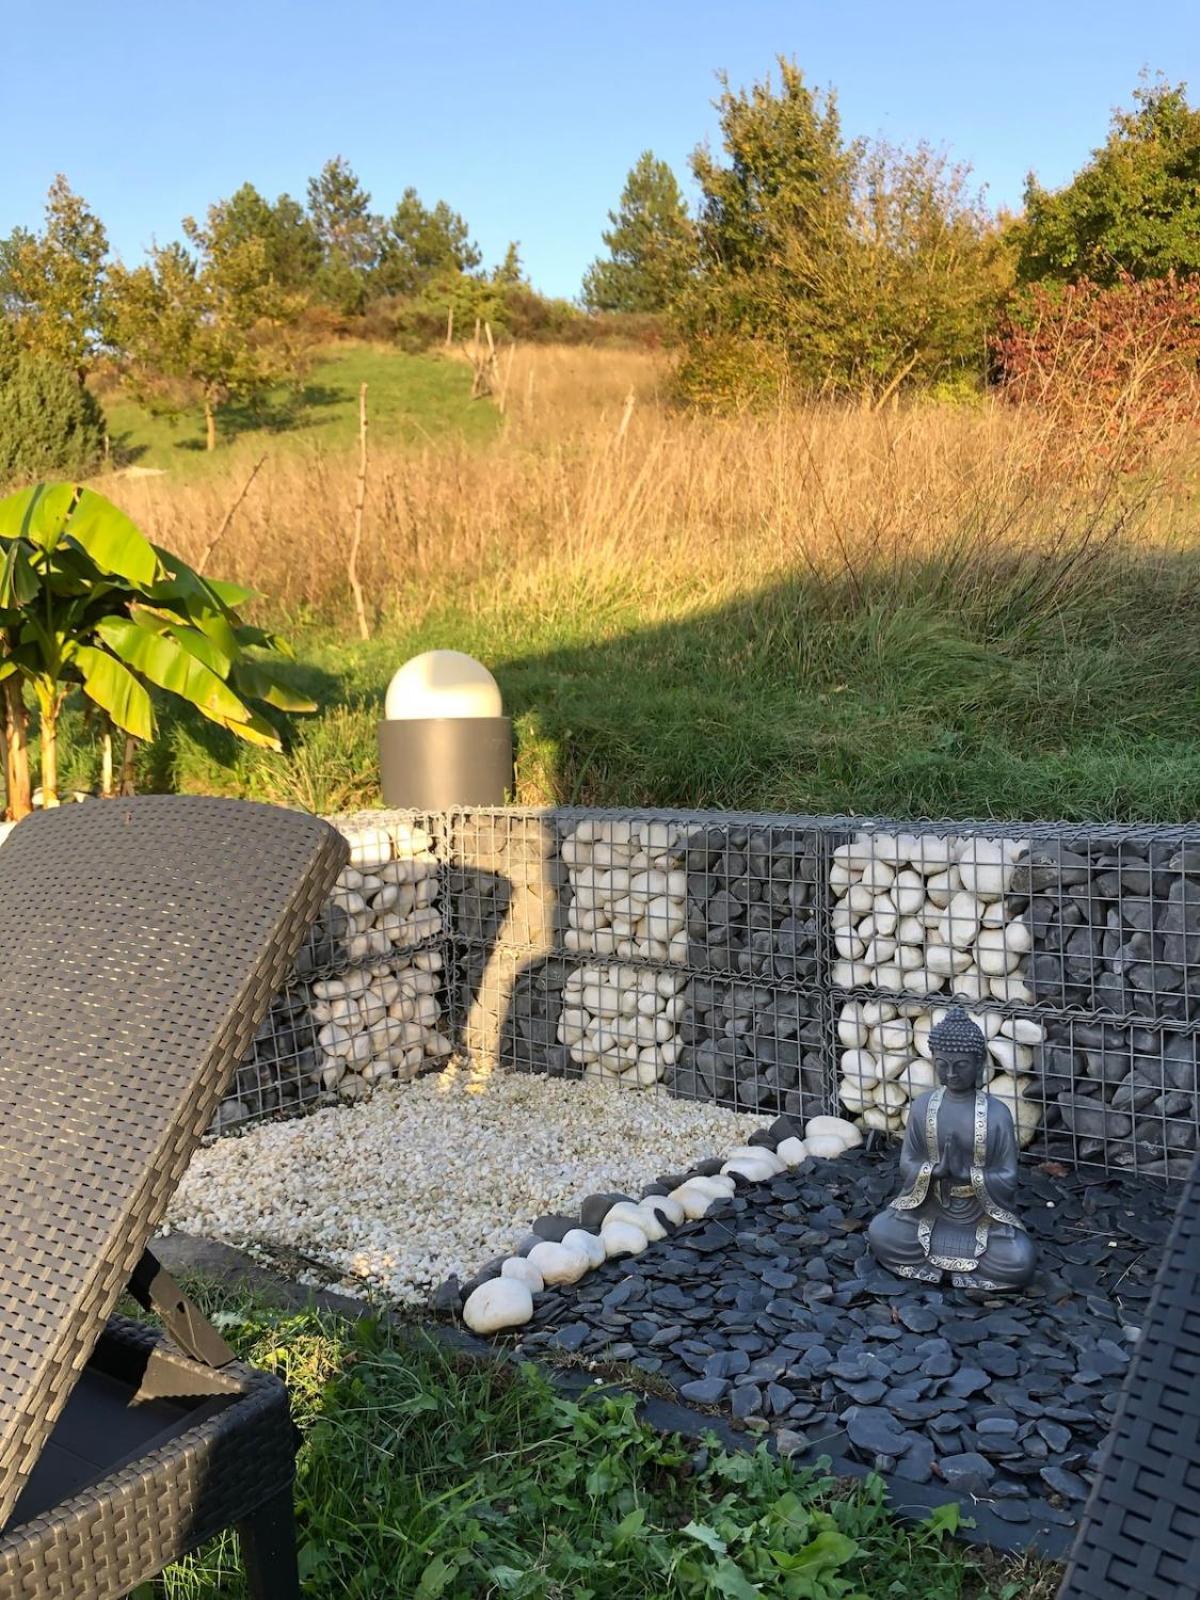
(771, 1310)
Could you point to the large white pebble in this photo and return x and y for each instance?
(499, 1303)
(1023, 1029)
(1026, 1114)
(960, 923)
(1010, 1056)
(856, 1096)
(586, 1244)
(824, 1147)
(859, 1066)
(792, 1151)
(852, 1030)
(943, 886)
(663, 1206)
(832, 1127)
(908, 892)
(557, 1263)
(524, 1271)
(985, 868)
(928, 853)
(755, 1152)
(752, 1171)
(694, 1200)
(623, 1239)
(625, 1211)
(998, 952)
(876, 1011)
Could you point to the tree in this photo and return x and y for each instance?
(351, 235)
(830, 266)
(651, 244)
(1133, 210)
(421, 245)
(52, 284)
(292, 252)
(212, 317)
(508, 272)
(49, 423)
(87, 600)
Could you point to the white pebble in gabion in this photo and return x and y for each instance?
(380, 1018)
(621, 1022)
(925, 914)
(628, 888)
(892, 1065)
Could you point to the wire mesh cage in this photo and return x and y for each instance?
(366, 998)
(769, 963)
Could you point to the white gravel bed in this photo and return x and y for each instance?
(437, 1176)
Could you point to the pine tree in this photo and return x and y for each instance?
(650, 244)
(351, 235)
(422, 245)
(291, 247)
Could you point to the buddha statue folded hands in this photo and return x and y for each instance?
(959, 1167)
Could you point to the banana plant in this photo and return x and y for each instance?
(87, 600)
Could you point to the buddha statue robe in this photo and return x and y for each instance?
(961, 1222)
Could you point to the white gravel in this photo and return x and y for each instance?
(436, 1176)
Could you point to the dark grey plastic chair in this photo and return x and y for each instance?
(1140, 1534)
(141, 942)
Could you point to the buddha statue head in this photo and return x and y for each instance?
(959, 1052)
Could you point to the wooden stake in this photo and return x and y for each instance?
(360, 501)
(228, 517)
(449, 327)
(127, 774)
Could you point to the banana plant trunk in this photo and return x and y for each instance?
(50, 758)
(16, 752)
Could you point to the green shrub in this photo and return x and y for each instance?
(49, 425)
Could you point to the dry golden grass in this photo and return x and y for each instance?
(596, 474)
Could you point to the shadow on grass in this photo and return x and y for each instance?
(282, 411)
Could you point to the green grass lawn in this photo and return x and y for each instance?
(424, 1477)
(410, 398)
(782, 701)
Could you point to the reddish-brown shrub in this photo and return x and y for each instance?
(1120, 363)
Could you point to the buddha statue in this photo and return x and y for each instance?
(959, 1166)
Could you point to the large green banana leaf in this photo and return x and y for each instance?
(164, 661)
(47, 513)
(257, 682)
(115, 689)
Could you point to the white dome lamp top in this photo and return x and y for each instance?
(442, 683)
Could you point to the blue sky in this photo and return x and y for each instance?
(526, 116)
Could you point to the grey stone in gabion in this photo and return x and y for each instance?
(1116, 926)
(1124, 1096)
(752, 901)
(749, 1045)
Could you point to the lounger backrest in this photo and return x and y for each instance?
(140, 944)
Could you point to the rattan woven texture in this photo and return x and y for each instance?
(1140, 1536)
(143, 941)
(115, 1534)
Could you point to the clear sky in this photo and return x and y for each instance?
(526, 116)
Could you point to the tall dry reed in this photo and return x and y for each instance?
(593, 477)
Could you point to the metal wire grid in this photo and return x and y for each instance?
(395, 1005)
(746, 946)
(1093, 1036)
(1097, 1088)
(643, 908)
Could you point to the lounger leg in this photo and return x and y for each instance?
(269, 1550)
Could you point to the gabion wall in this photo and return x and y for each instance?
(766, 963)
(367, 998)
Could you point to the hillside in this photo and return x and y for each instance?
(411, 399)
